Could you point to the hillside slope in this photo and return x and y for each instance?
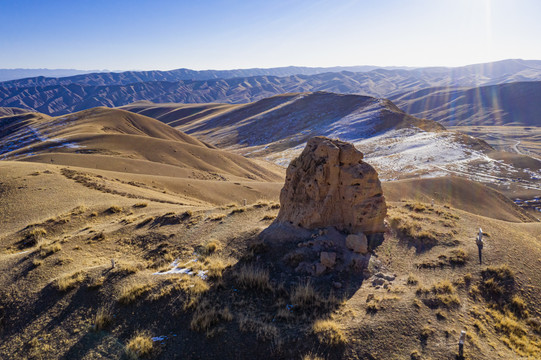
(517, 103)
(61, 298)
(398, 145)
(118, 140)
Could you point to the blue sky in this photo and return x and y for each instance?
(227, 34)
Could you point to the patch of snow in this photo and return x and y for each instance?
(176, 269)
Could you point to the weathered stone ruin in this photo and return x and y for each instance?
(329, 184)
(332, 208)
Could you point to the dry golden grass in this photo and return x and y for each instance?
(268, 217)
(498, 283)
(329, 332)
(128, 268)
(193, 287)
(479, 327)
(49, 249)
(215, 266)
(517, 306)
(441, 294)
(426, 332)
(312, 356)
(131, 292)
(416, 206)
(237, 211)
(96, 282)
(514, 333)
(33, 237)
(115, 209)
(206, 316)
(69, 281)
(39, 349)
(264, 331)
(412, 279)
(217, 217)
(37, 262)
(252, 277)
(140, 205)
(140, 345)
(261, 203)
(415, 230)
(443, 287)
(211, 247)
(102, 319)
(306, 297)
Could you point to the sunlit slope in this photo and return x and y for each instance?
(176, 115)
(118, 140)
(86, 227)
(285, 121)
(398, 145)
(459, 193)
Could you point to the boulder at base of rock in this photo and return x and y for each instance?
(357, 243)
(330, 185)
(328, 259)
(319, 269)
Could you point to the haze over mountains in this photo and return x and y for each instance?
(129, 77)
(516, 103)
(13, 74)
(57, 96)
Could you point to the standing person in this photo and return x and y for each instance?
(479, 242)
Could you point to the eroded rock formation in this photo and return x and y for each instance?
(330, 185)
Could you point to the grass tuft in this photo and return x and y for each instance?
(49, 249)
(264, 331)
(328, 332)
(131, 292)
(103, 319)
(140, 345)
(412, 279)
(68, 282)
(206, 316)
(252, 277)
(217, 217)
(115, 209)
(33, 237)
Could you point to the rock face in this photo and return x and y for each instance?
(357, 243)
(330, 185)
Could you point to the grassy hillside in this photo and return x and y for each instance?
(123, 237)
(61, 297)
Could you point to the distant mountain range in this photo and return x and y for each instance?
(13, 74)
(505, 104)
(57, 96)
(130, 77)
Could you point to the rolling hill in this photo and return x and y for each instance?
(139, 150)
(397, 144)
(118, 228)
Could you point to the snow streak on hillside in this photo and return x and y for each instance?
(411, 152)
